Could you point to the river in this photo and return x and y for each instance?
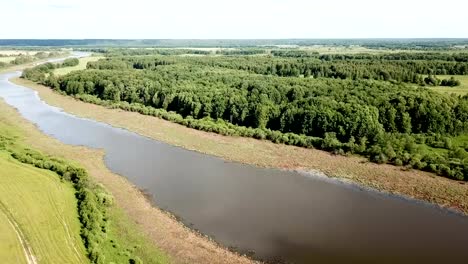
(275, 215)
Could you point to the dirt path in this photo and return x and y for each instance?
(28, 253)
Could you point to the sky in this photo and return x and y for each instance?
(233, 19)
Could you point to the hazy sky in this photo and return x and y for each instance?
(233, 18)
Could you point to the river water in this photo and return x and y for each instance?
(270, 214)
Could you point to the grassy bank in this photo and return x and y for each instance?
(56, 213)
(135, 227)
(43, 209)
(416, 184)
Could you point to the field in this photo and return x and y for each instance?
(6, 59)
(11, 249)
(81, 66)
(17, 52)
(40, 210)
(458, 90)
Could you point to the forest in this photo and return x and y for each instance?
(375, 105)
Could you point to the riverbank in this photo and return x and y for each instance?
(415, 184)
(133, 217)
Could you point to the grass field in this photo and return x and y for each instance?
(6, 59)
(11, 249)
(458, 90)
(42, 215)
(81, 66)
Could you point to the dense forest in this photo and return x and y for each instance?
(372, 105)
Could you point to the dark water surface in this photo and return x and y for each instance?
(279, 215)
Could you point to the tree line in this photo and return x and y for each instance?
(441, 56)
(406, 71)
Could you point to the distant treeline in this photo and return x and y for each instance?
(443, 56)
(389, 122)
(231, 52)
(426, 44)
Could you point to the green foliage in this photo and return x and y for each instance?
(40, 72)
(432, 80)
(23, 59)
(450, 82)
(70, 62)
(93, 201)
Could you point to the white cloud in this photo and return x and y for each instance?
(232, 19)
